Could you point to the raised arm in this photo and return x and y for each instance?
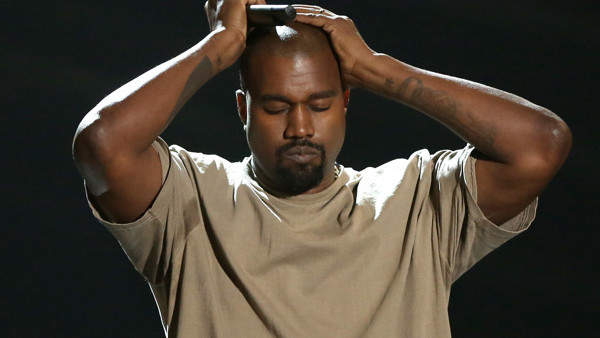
(112, 145)
(521, 145)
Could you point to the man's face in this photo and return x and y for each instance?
(295, 115)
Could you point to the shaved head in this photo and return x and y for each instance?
(290, 40)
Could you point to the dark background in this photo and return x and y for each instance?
(64, 275)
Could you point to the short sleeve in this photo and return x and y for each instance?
(151, 240)
(465, 234)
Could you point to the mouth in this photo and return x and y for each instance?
(301, 154)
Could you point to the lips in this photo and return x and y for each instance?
(301, 154)
(301, 150)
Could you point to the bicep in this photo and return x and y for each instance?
(125, 187)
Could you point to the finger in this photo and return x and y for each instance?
(211, 4)
(313, 9)
(208, 5)
(256, 2)
(319, 20)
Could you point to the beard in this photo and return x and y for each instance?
(300, 177)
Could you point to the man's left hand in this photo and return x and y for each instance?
(349, 46)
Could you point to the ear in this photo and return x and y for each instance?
(241, 106)
(346, 99)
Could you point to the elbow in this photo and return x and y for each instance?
(554, 145)
(559, 142)
(92, 148)
(89, 141)
(93, 155)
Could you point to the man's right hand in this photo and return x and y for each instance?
(229, 17)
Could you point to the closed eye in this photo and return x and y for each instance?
(275, 111)
(319, 108)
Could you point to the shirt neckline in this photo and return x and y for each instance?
(303, 199)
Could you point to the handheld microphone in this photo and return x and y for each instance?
(270, 15)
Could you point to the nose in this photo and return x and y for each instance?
(299, 123)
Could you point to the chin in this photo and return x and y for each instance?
(300, 179)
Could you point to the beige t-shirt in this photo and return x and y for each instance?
(373, 255)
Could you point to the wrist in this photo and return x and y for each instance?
(224, 47)
(363, 70)
(381, 74)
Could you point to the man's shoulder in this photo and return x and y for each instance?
(398, 165)
(417, 166)
(179, 158)
(202, 159)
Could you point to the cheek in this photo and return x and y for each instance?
(336, 126)
(263, 134)
(339, 132)
(333, 133)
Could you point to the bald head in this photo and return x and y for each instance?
(291, 40)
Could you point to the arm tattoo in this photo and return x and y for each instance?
(439, 105)
(389, 83)
(427, 99)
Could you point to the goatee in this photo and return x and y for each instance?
(300, 177)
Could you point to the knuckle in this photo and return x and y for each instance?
(342, 19)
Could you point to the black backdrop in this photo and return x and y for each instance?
(64, 275)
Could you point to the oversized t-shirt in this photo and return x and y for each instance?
(373, 255)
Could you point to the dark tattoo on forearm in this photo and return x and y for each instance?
(441, 106)
(389, 83)
(427, 99)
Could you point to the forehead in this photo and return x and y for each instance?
(298, 75)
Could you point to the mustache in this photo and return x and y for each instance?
(300, 143)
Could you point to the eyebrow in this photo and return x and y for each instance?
(315, 96)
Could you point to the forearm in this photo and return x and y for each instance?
(504, 127)
(112, 145)
(521, 145)
(130, 118)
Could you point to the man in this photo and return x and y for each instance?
(288, 242)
